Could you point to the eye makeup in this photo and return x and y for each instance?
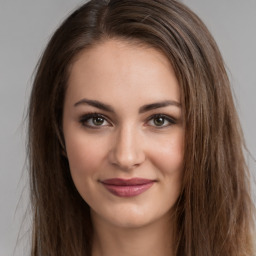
(96, 120)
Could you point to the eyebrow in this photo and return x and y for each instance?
(161, 104)
(142, 109)
(96, 104)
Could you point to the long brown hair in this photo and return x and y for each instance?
(214, 213)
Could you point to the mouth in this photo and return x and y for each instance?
(127, 187)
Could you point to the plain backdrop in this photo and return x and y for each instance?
(25, 28)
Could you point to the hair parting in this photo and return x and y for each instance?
(214, 213)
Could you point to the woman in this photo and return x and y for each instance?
(135, 146)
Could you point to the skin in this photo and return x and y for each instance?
(125, 143)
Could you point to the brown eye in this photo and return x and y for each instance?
(159, 121)
(94, 120)
(97, 121)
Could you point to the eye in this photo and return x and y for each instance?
(161, 121)
(94, 120)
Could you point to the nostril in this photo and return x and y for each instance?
(127, 150)
(127, 159)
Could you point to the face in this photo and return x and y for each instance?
(124, 133)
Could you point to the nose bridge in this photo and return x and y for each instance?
(127, 151)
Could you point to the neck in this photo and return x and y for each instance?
(149, 240)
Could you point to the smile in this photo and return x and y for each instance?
(127, 188)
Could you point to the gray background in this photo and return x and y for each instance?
(25, 27)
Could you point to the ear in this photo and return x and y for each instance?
(63, 148)
(62, 142)
(64, 153)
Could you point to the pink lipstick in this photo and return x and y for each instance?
(127, 187)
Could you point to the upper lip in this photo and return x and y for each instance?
(127, 182)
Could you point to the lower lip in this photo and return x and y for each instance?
(128, 191)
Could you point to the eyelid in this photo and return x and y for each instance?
(84, 118)
(170, 119)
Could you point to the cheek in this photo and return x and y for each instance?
(168, 158)
(84, 155)
(168, 154)
(85, 158)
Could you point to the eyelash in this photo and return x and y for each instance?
(170, 120)
(85, 119)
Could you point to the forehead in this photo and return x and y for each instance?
(122, 71)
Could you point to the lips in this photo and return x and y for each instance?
(127, 187)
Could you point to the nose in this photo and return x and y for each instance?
(127, 149)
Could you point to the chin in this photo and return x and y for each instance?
(127, 216)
